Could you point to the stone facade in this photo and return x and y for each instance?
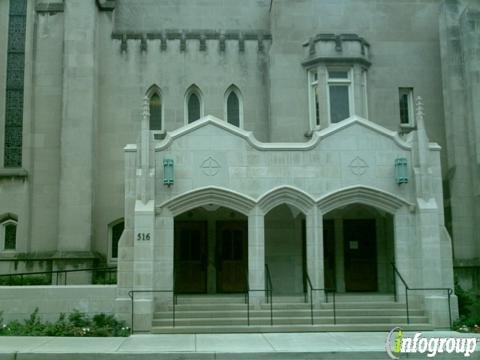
(287, 167)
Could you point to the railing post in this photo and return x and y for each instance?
(271, 306)
(132, 302)
(406, 302)
(311, 305)
(334, 309)
(65, 282)
(394, 283)
(248, 308)
(174, 297)
(449, 292)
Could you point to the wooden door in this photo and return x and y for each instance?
(232, 259)
(360, 249)
(190, 256)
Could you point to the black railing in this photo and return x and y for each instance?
(95, 271)
(268, 293)
(131, 295)
(269, 289)
(325, 291)
(408, 288)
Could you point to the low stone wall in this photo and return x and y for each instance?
(18, 302)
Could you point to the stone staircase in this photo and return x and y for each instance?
(228, 314)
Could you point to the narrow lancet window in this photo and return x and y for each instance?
(155, 112)
(233, 109)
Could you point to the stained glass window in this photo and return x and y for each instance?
(155, 112)
(14, 89)
(193, 108)
(233, 109)
(10, 236)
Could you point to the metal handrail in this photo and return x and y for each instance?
(247, 296)
(131, 295)
(268, 294)
(108, 270)
(325, 291)
(408, 288)
(269, 287)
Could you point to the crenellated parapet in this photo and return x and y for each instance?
(181, 37)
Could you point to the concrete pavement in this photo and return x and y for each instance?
(298, 346)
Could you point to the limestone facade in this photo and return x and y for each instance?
(90, 161)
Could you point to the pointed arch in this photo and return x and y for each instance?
(286, 195)
(115, 231)
(209, 195)
(194, 107)
(233, 108)
(154, 94)
(8, 231)
(362, 195)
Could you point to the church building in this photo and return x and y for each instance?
(261, 148)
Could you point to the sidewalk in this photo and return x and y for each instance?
(295, 346)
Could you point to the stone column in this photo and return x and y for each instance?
(143, 256)
(314, 225)
(256, 253)
(164, 256)
(77, 147)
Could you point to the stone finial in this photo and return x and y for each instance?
(146, 107)
(419, 111)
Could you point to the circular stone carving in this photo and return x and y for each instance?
(210, 166)
(358, 166)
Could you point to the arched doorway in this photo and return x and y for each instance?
(210, 250)
(358, 248)
(285, 248)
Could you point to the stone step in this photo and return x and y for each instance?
(285, 313)
(211, 299)
(214, 322)
(287, 328)
(362, 297)
(287, 306)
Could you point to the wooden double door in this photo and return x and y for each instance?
(359, 251)
(191, 255)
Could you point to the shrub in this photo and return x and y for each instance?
(24, 280)
(75, 324)
(469, 310)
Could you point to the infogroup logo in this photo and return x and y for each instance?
(397, 343)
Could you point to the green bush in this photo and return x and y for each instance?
(24, 280)
(469, 310)
(75, 324)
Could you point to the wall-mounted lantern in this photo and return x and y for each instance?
(168, 172)
(401, 171)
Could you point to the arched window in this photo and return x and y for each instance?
(233, 106)
(156, 110)
(8, 232)
(194, 104)
(115, 232)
